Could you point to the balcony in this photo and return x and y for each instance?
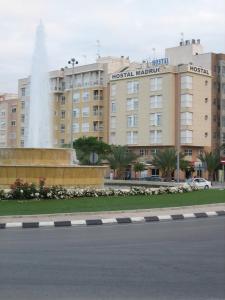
(57, 89)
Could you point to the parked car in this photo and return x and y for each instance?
(153, 178)
(199, 182)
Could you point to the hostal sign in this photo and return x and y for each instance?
(136, 73)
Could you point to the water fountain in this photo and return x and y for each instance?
(39, 159)
(40, 117)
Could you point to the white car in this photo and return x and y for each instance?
(199, 182)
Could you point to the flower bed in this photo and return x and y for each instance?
(21, 190)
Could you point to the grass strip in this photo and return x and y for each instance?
(113, 203)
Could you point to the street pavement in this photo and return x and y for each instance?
(164, 260)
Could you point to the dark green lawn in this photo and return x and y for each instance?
(29, 207)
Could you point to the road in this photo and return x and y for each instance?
(164, 260)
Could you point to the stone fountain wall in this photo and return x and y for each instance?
(29, 164)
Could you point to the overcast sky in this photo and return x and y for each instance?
(123, 27)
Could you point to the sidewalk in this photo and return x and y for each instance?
(141, 213)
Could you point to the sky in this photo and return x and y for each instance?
(122, 27)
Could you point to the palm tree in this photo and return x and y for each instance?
(119, 158)
(211, 161)
(166, 161)
(139, 167)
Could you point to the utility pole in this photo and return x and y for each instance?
(72, 62)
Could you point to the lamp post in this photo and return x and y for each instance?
(72, 62)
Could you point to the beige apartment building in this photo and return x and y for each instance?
(152, 108)
(80, 100)
(8, 120)
(191, 51)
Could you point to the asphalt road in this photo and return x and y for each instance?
(164, 260)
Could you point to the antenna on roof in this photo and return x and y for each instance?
(98, 47)
(182, 39)
(153, 53)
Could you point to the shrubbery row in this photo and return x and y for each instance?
(22, 190)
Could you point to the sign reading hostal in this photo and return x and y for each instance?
(135, 73)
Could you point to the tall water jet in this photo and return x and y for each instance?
(39, 126)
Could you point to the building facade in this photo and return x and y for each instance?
(160, 107)
(8, 120)
(80, 100)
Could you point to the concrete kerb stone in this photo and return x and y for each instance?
(111, 221)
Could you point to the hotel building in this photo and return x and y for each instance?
(157, 107)
(8, 120)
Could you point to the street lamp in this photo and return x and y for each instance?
(72, 62)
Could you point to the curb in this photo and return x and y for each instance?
(127, 220)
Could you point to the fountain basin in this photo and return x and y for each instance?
(30, 164)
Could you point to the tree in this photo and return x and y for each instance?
(138, 167)
(119, 158)
(84, 146)
(166, 161)
(211, 161)
(187, 167)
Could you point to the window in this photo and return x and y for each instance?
(23, 92)
(186, 118)
(132, 104)
(132, 87)
(188, 152)
(186, 100)
(223, 137)
(113, 90)
(2, 113)
(132, 137)
(206, 82)
(85, 127)
(13, 110)
(13, 123)
(76, 127)
(113, 107)
(155, 136)
(141, 152)
(156, 119)
(223, 103)
(22, 143)
(186, 82)
(154, 152)
(85, 111)
(3, 124)
(112, 138)
(63, 114)
(223, 121)
(62, 128)
(132, 121)
(206, 134)
(206, 100)
(85, 96)
(62, 141)
(186, 136)
(22, 118)
(76, 113)
(206, 117)
(22, 131)
(156, 101)
(76, 97)
(63, 100)
(22, 104)
(156, 84)
(113, 122)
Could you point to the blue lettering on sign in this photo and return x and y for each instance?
(160, 61)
